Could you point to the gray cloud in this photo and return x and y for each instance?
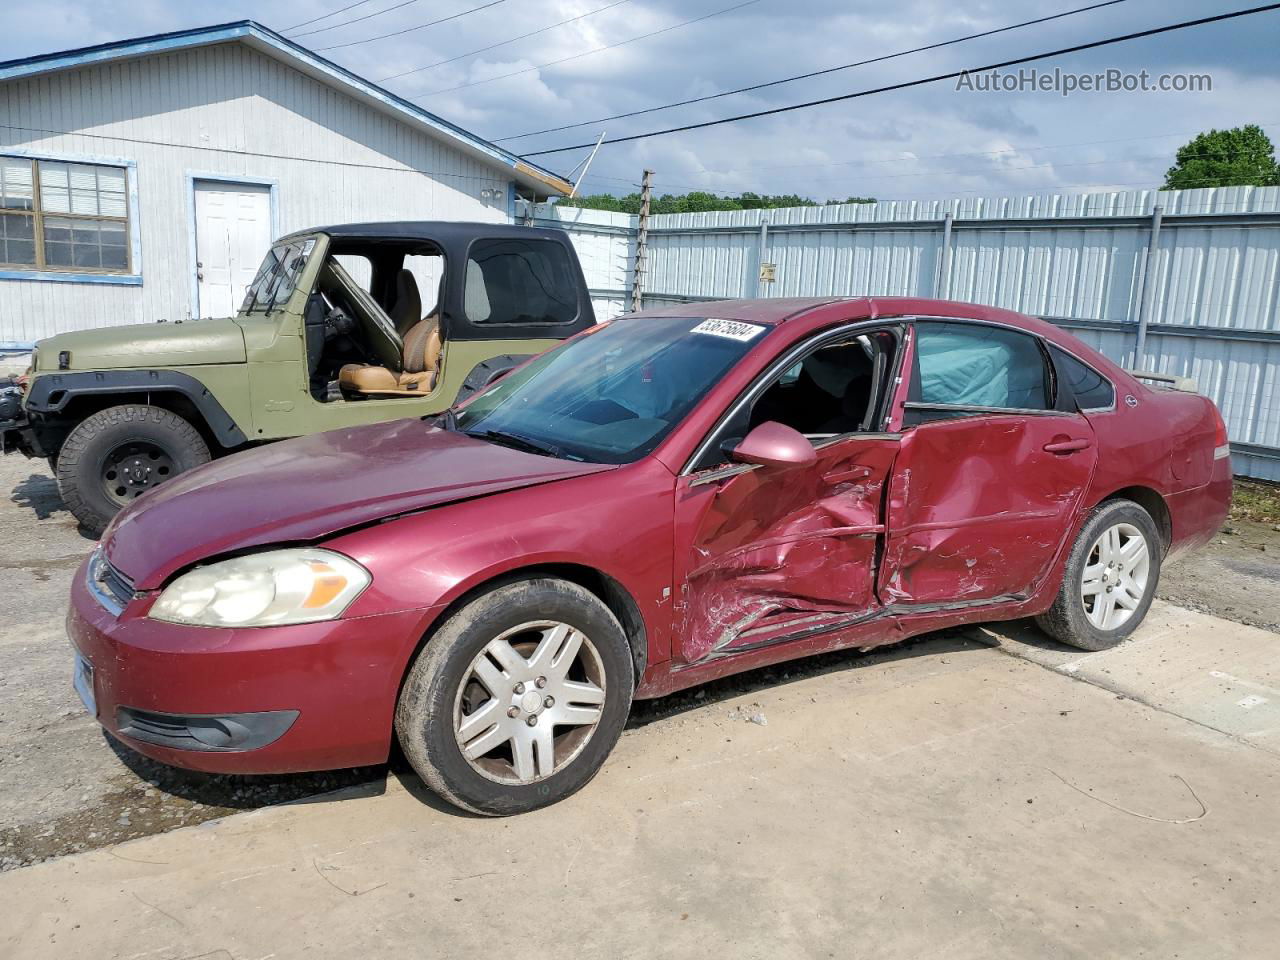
(928, 141)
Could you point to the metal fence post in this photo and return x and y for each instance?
(761, 286)
(1148, 291)
(942, 282)
(642, 243)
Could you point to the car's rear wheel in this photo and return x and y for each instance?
(1110, 578)
(517, 699)
(118, 454)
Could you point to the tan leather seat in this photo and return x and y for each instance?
(408, 306)
(421, 365)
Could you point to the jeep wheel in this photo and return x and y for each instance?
(120, 453)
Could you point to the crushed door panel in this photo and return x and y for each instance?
(776, 553)
(978, 507)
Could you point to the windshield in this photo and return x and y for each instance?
(613, 394)
(276, 278)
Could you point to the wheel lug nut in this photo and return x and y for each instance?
(513, 712)
(532, 721)
(1109, 589)
(541, 682)
(549, 702)
(519, 688)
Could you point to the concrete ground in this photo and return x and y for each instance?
(984, 792)
(954, 799)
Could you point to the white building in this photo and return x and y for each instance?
(144, 179)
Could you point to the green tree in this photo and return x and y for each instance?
(1240, 157)
(698, 202)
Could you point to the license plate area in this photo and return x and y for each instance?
(82, 680)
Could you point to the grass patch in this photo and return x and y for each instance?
(1256, 500)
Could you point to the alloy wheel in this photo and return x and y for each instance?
(1115, 577)
(529, 702)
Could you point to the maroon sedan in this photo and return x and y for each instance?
(660, 501)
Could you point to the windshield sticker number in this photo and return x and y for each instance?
(730, 329)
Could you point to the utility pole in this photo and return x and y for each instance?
(642, 243)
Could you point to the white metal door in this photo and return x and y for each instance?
(233, 233)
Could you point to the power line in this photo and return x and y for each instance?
(816, 73)
(396, 33)
(492, 46)
(949, 173)
(578, 56)
(323, 16)
(951, 75)
(747, 168)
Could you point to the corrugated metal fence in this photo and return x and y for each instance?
(1205, 303)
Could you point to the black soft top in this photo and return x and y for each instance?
(387, 243)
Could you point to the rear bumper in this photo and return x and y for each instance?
(1197, 515)
(266, 700)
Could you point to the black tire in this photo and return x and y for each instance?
(424, 718)
(1067, 620)
(83, 459)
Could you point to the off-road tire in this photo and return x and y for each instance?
(1067, 620)
(81, 457)
(424, 719)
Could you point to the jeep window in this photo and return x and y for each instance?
(611, 394)
(63, 217)
(276, 278)
(520, 282)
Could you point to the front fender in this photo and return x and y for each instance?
(51, 393)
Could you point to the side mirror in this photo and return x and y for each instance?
(773, 444)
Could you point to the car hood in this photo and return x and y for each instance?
(305, 489)
(147, 345)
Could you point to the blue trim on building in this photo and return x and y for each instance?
(201, 176)
(249, 29)
(119, 279)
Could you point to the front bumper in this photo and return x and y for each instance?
(217, 700)
(17, 436)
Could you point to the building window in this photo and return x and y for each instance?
(63, 217)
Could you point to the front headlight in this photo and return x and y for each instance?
(264, 589)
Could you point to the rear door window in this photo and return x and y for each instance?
(975, 367)
(518, 281)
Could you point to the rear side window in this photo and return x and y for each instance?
(1092, 390)
(520, 282)
(963, 365)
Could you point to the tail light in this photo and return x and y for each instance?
(1221, 445)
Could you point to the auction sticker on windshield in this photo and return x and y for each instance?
(730, 329)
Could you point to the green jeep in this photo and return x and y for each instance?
(333, 332)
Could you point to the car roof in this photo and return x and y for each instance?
(780, 310)
(442, 231)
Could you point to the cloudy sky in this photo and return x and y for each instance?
(929, 141)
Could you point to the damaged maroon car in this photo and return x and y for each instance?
(660, 501)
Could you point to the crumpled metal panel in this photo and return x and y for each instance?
(962, 525)
(772, 545)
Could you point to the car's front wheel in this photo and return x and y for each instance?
(515, 702)
(117, 454)
(1110, 578)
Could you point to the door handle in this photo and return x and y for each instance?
(1068, 446)
(845, 476)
